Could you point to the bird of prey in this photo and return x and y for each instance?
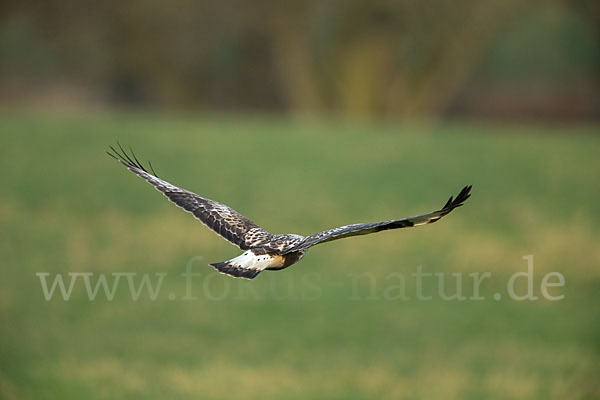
(263, 250)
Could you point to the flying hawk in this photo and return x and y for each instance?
(263, 250)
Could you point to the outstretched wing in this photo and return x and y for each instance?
(364, 229)
(225, 221)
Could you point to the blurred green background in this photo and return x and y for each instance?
(302, 116)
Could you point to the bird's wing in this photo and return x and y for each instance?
(364, 229)
(225, 221)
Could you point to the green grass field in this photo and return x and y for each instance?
(319, 329)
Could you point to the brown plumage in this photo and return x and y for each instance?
(263, 250)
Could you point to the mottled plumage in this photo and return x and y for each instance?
(263, 250)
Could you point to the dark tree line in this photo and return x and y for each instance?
(404, 58)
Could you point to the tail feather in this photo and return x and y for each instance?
(236, 271)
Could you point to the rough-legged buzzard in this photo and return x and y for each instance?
(263, 250)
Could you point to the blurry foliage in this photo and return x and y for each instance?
(351, 57)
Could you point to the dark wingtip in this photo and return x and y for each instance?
(448, 202)
(129, 160)
(112, 155)
(464, 194)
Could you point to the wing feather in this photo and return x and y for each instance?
(222, 219)
(365, 229)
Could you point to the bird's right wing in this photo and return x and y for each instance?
(225, 221)
(365, 229)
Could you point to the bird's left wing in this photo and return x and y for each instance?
(225, 221)
(365, 229)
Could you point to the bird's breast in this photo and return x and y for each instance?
(276, 262)
(284, 261)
